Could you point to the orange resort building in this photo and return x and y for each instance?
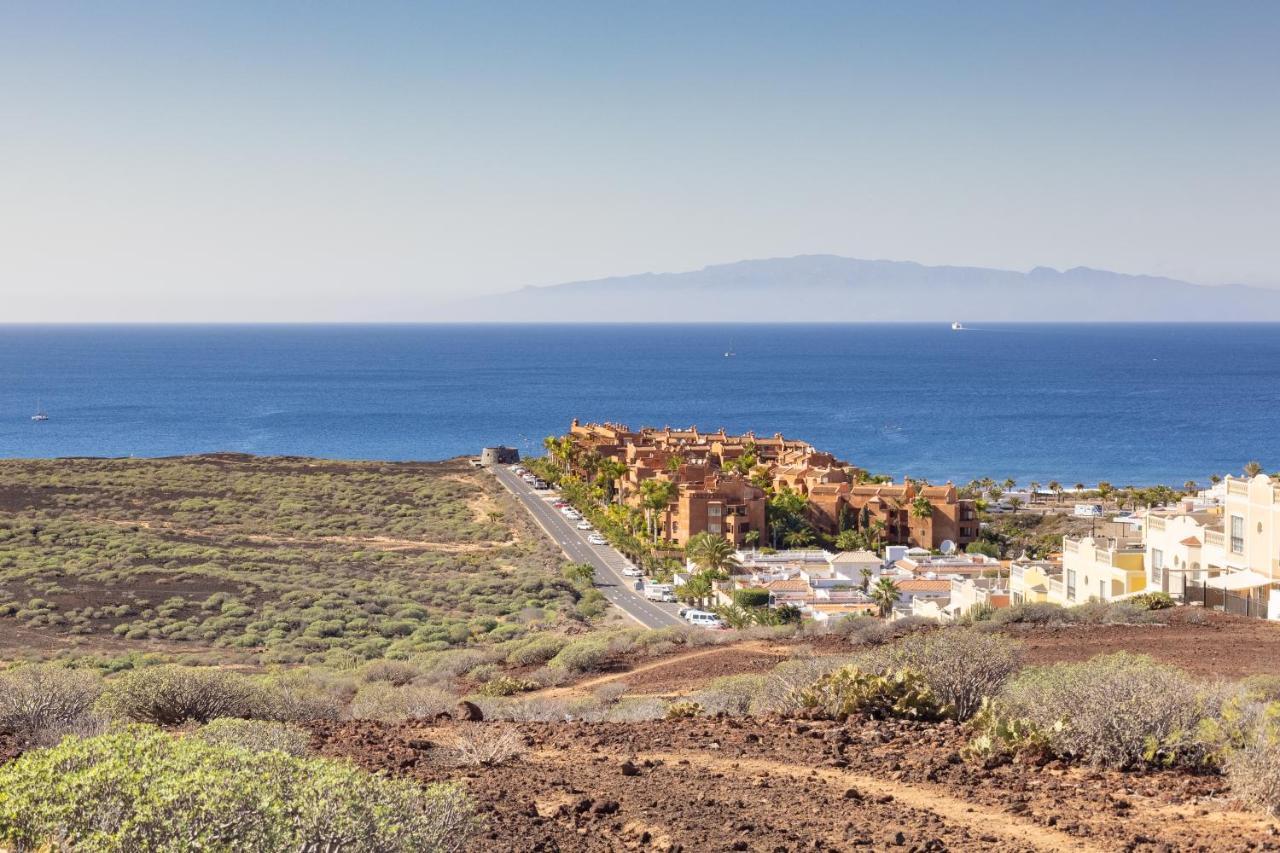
(717, 485)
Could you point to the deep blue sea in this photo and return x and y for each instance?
(1131, 404)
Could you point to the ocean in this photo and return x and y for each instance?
(1133, 404)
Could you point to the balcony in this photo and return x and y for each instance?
(1156, 522)
(1238, 487)
(1057, 591)
(1215, 538)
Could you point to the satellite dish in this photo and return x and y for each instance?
(948, 547)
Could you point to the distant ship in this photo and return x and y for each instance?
(729, 353)
(957, 326)
(39, 415)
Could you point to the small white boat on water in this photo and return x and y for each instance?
(40, 413)
(957, 326)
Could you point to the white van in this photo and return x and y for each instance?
(703, 619)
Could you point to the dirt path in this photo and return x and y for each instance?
(981, 820)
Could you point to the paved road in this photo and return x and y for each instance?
(608, 563)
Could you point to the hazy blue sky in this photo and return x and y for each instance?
(255, 160)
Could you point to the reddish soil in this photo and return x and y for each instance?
(775, 785)
(1225, 646)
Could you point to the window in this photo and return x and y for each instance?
(1157, 565)
(1102, 590)
(1071, 585)
(1237, 534)
(713, 527)
(714, 510)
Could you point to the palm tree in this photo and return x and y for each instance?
(711, 553)
(657, 494)
(1079, 489)
(611, 471)
(1105, 489)
(751, 537)
(798, 538)
(885, 595)
(1252, 469)
(696, 590)
(1009, 483)
(1034, 487)
(1215, 479)
(866, 577)
(1056, 488)
(1190, 486)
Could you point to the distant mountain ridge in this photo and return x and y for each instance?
(824, 288)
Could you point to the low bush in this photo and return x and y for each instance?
(171, 694)
(682, 710)
(585, 655)
(39, 703)
(505, 685)
(781, 687)
(1253, 768)
(396, 672)
(847, 692)
(961, 666)
(1117, 710)
(864, 630)
(1153, 601)
(302, 694)
(255, 735)
(138, 788)
(731, 694)
(1032, 613)
(486, 745)
(382, 701)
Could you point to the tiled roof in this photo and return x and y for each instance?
(792, 585)
(923, 585)
(1191, 542)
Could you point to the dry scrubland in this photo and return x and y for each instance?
(414, 669)
(265, 560)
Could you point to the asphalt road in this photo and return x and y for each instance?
(608, 563)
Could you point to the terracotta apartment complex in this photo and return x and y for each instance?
(713, 492)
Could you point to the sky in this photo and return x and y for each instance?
(251, 161)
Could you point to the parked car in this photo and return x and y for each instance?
(560, 504)
(584, 525)
(703, 619)
(540, 485)
(632, 572)
(597, 539)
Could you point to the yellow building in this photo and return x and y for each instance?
(1029, 582)
(1099, 569)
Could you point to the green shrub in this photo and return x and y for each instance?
(170, 695)
(140, 789)
(961, 666)
(300, 694)
(851, 692)
(751, 597)
(536, 650)
(1117, 710)
(395, 672)
(255, 735)
(683, 710)
(585, 655)
(39, 703)
(1153, 601)
(382, 701)
(781, 688)
(505, 685)
(1253, 767)
(1032, 613)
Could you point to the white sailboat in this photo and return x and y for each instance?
(40, 413)
(729, 353)
(957, 326)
